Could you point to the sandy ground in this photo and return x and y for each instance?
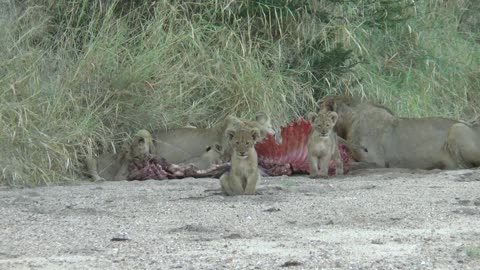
(374, 219)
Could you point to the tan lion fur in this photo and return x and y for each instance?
(114, 167)
(182, 144)
(391, 141)
(463, 143)
(213, 155)
(244, 173)
(322, 144)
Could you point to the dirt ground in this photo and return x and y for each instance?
(373, 219)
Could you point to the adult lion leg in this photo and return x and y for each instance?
(91, 163)
(463, 145)
(92, 169)
(338, 162)
(359, 165)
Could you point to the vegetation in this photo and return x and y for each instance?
(473, 251)
(78, 73)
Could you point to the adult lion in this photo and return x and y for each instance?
(391, 141)
(114, 167)
(177, 145)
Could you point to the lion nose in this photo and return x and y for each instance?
(242, 153)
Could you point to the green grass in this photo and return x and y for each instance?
(287, 183)
(473, 252)
(73, 73)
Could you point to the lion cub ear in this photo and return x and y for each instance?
(255, 132)
(334, 117)
(328, 105)
(218, 147)
(311, 117)
(262, 118)
(230, 134)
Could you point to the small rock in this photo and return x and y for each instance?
(120, 237)
(377, 242)
(398, 240)
(291, 263)
(476, 202)
(272, 209)
(463, 202)
(466, 211)
(233, 236)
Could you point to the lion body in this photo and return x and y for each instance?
(463, 144)
(182, 144)
(114, 167)
(213, 155)
(244, 173)
(391, 141)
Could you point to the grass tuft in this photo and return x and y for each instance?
(473, 252)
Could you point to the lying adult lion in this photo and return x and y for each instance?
(391, 141)
(177, 145)
(463, 143)
(139, 151)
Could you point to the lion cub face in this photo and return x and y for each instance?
(243, 140)
(141, 145)
(323, 122)
(264, 120)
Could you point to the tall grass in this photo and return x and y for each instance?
(78, 73)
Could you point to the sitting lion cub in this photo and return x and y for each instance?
(244, 174)
(322, 144)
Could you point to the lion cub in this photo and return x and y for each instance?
(114, 167)
(244, 174)
(322, 144)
